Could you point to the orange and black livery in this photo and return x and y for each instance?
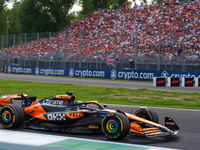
(63, 113)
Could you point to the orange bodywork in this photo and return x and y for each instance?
(134, 127)
(130, 116)
(35, 110)
(5, 101)
(41, 117)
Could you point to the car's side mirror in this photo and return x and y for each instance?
(105, 105)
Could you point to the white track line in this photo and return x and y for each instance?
(33, 139)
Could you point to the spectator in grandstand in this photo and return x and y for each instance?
(116, 6)
(105, 32)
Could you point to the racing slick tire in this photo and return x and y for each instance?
(11, 116)
(148, 114)
(115, 126)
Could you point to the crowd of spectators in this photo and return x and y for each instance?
(163, 31)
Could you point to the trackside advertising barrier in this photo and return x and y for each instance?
(142, 75)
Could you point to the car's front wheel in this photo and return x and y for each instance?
(115, 126)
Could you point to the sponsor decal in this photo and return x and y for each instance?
(134, 127)
(113, 74)
(55, 102)
(75, 115)
(175, 81)
(93, 127)
(20, 70)
(134, 75)
(5, 102)
(50, 71)
(71, 72)
(102, 115)
(170, 123)
(37, 71)
(160, 81)
(56, 117)
(112, 126)
(89, 73)
(8, 117)
(144, 75)
(188, 82)
(9, 69)
(165, 75)
(113, 137)
(64, 96)
(180, 75)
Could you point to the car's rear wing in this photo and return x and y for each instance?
(8, 99)
(13, 96)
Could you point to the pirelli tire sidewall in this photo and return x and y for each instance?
(115, 126)
(11, 116)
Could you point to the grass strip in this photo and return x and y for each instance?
(107, 95)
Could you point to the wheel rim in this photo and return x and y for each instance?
(112, 126)
(6, 116)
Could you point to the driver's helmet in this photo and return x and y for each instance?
(80, 104)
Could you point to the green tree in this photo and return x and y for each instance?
(88, 6)
(3, 5)
(33, 18)
(58, 10)
(13, 13)
(3, 17)
(2, 23)
(44, 15)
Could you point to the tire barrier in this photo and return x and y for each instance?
(188, 82)
(158, 81)
(197, 82)
(173, 81)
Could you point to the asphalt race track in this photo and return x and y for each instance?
(188, 120)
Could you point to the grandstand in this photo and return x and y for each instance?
(156, 37)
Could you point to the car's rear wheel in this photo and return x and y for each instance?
(115, 126)
(11, 116)
(147, 113)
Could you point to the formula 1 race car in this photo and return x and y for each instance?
(62, 113)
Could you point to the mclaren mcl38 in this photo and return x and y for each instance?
(63, 113)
